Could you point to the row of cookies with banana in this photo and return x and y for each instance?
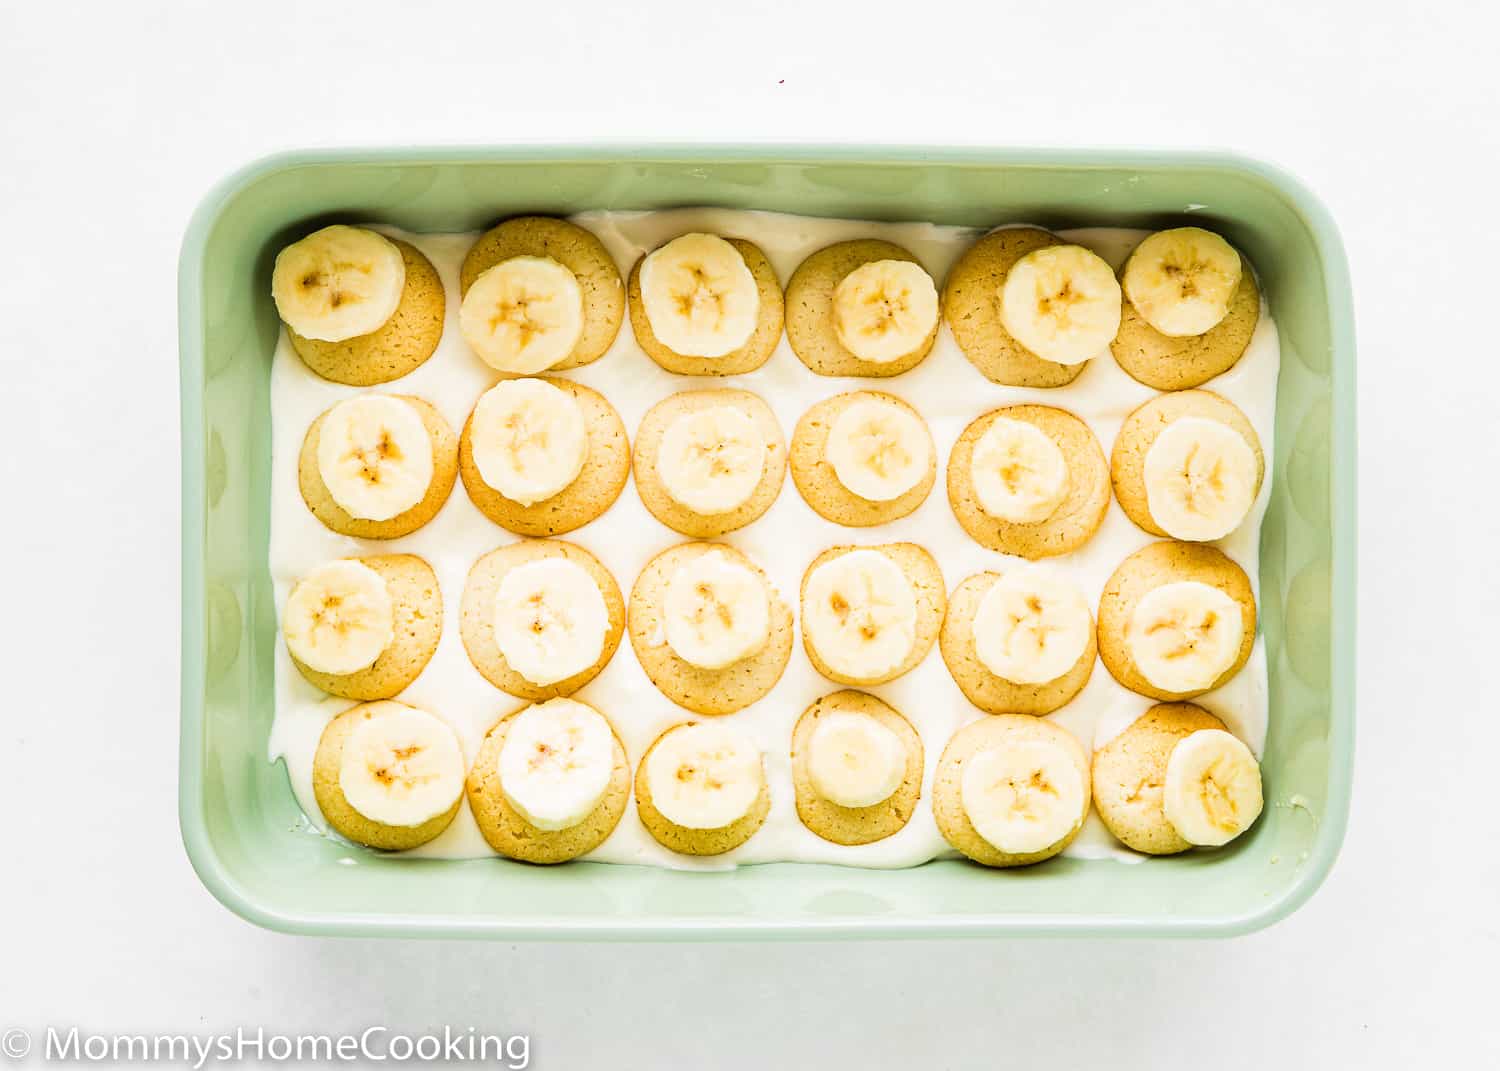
(538, 294)
(545, 456)
(551, 781)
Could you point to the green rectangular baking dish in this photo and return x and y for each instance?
(253, 848)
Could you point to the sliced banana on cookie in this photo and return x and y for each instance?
(704, 775)
(717, 611)
(339, 618)
(523, 315)
(1018, 473)
(375, 456)
(401, 766)
(550, 620)
(338, 283)
(1062, 303)
(860, 614)
(529, 439)
(1032, 626)
(700, 296)
(854, 761)
(556, 763)
(711, 460)
(1023, 797)
(1212, 791)
(1201, 479)
(884, 310)
(1184, 635)
(1182, 280)
(879, 449)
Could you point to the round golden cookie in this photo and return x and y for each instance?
(855, 825)
(988, 733)
(1144, 571)
(1166, 363)
(1127, 460)
(648, 480)
(1131, 770)
(686, 841)
(703, 691)
(395, 348)
(926, 579)
(1072, 524)
(809, 311)
(505, 830)
(336, 808)
(971, 305)
(476, 615)
(599, 483)
(757, 349)
(334, 517)
(418, 604)
(819, 484)
(575, 249)
(992, 694)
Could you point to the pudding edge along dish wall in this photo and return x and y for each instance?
(244, 830)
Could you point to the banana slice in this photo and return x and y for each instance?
(1184, 635)
(338, 283)
(1062, 303)
(339, 618)
(711, 460)
(1032, 626)
(1023, 797)
(1201, 479)
(1018, 473)
(523, 315)
(529, 439)
(884, 310)
(704, 775)
(879, 450)
(375, 456)
(861, 614)
(401, 767)
(700, 297)
(550, 620)
(556, 763)
(1212, 790)
(1182, 280)
(717, 612)
(854, 761)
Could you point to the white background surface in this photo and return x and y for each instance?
(114, 121)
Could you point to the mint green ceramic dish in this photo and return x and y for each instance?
(253, 848)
